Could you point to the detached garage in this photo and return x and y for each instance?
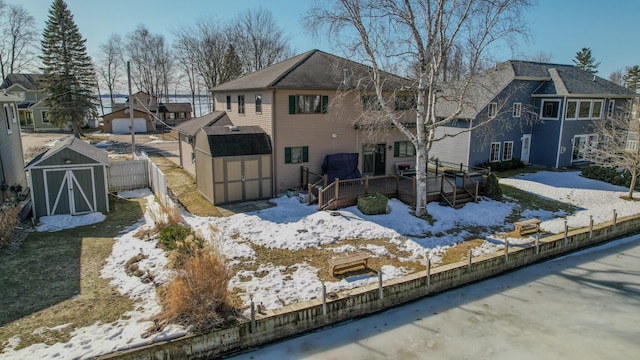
(70, 178)
(233, 164)
(118, 122)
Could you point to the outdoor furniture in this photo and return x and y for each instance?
(350, 262)
(527, 226)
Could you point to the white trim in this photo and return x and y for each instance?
(69, 179)
(492, 106)
(499, 152)
(612, 107)
(560, 105)
(504, 147)
(516, 106)
(598, 116)
(560, 111)
(5, 108)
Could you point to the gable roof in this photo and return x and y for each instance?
(237, 141)
(192, 126)
(76, 145)
(27, 81)
(314, 69)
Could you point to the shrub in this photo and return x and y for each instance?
(173, 233)
(372, 204)
(502, 165)
(198, 295)
(609, 175)
(492, 187)
(8, 222)
(189, 247)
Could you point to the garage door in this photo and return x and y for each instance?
(121, 126)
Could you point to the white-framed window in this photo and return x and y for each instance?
(228, 102)
(507, 151)
(494, 153)
(258, 103)
(584, 109)
(14, 113)
(611, 108)
(632, 141)
(45, 119)
(582, 145)
(550, 109)
(492, 109)
(240, 104)
(7, 118)
(517, 109)
(596, 109)
(572, 108)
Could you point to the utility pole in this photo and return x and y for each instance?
(131, 127)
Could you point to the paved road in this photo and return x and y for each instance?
(583, 306)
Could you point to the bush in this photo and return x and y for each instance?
(171, 234)
(492, 187)
(372, 204)
(198, 295)
(609, 175)
(502, 165)
(189, 247)
(8, 221)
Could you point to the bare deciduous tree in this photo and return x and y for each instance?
(259, 41)
(18, 43)
(110, 66)
(421, 32)
(617, 77)
(617, 146)
(151, 62)
(542, 57)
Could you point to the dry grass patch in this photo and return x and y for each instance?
(54, 279)
(8, 222)
(460, 251)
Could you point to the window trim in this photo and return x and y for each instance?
(228, 102)
(517, 106)
(293, 104)
(580, 110)
(611, 108)
(504, 149)
(575, 110)
(6, 116)
(258, 103)
(542, 105)
(498, 152)
(44, 118)
(593, 102)
(492, 110)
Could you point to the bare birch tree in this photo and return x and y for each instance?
(110, 65)
(259, 41)
(18, 43)
(618, 146)
(422, 32)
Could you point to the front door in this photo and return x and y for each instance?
(374, 159)
(526, 148)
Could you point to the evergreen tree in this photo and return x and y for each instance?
(68, 75)
(632, 78)
(231, 65)
(492, 187)
(585, 61)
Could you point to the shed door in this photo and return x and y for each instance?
(70, 191)
(243, 180)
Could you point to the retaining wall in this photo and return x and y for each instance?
(303, 317)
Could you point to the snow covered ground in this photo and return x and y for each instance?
(292, 225)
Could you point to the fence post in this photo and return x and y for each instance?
(537, 241)
(428, 272)
(320, 204)
(335, 204)
(324, 299)
(477, 189)
(437, 166)
(566, 233)
(380, 288)
(253, 315)
(615, 219)
(590, 227)
(506, 250)
(470, 258)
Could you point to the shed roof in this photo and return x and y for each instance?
(314, 69)
(237, 141)
(192, 126)
(76, 145)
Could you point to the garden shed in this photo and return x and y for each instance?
(233, 164)
(69, 178)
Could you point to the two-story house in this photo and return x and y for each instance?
(540, 113)
(309, 107)
(149, 114)
(31, 109)
(12, 174)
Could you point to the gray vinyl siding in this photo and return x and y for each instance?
(454, 150)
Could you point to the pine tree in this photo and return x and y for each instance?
(632, 78)
(68, 74)
(585, 61)
(231, 66)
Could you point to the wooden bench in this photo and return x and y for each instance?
(349, 262)
(527, 226)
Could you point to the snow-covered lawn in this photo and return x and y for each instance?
(294, 226)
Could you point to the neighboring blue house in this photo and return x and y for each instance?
(543, 115)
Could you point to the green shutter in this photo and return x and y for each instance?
(396, 149)
(292, 105)
(305, 154)
(325, 104)
(287, 155)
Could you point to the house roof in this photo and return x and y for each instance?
(76, 145)
(192, 126)
(175, 107)
(314, 69)
(27, 81)
(4, 97)
(237, 141)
